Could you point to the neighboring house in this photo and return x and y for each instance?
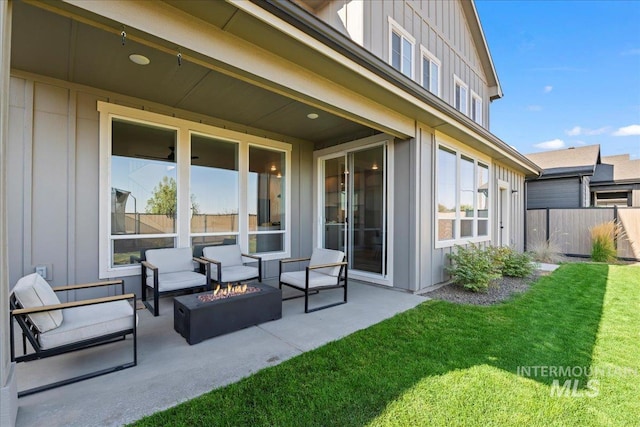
(580, 177)
(616, 182)
(281, 126)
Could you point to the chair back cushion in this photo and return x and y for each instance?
(326, 256)
(170, 260)
(228, 255)
(33, 291)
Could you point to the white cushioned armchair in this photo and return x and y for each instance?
(327, 269)
(228, 264)
(171, 270)
(52, 328)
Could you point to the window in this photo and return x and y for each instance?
(460, 96)
(401, 49)
(143, 190)
(430, 72)
(463, 197)
(214, 198)
(266, 200)
(169, 182)
(476, 108)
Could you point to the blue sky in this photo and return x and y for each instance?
(570, 73)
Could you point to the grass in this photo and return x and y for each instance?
(447, 364)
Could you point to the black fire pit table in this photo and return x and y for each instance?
(197, 320)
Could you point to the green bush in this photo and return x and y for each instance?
(518, 265)
(473, 268)
(511, 263)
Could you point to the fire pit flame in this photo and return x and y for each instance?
(228, 292)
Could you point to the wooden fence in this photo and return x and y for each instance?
(569, 229)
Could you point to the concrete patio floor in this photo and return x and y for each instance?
(171, 371)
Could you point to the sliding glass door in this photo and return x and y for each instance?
(354, 203)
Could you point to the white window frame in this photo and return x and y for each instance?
(184, 128)
(431, 58)
(404, 34)
(477, 101)
(462, 150)
(458, 82)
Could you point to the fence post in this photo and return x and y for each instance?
(547, 227)
(615, 223)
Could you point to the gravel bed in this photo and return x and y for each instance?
(500, 290)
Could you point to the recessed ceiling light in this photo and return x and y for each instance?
(139, 59)
(312, 116)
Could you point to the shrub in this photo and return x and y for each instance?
(511, 263)
(518, 265)
(603, 237)
(473, 268)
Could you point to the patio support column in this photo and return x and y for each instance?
(8, 391)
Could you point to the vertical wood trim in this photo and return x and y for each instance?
(27, 190)
(72, 138)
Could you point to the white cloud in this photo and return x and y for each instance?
(548, 89)
(554, 144)
(534, 108)
(627, 131)
(578, 130)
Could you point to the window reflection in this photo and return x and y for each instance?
(214, 185)
(466, 197)
(446, 194)
(143, 190)
(483, 200)
(266, 198)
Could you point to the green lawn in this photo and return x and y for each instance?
(447, 364)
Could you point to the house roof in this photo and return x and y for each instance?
(624, 168)
(572, 161)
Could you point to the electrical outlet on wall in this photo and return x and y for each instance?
(42, 270)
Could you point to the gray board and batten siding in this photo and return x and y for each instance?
(440, 26)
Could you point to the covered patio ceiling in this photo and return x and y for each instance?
(55, 43)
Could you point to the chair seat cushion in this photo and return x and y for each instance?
(297, 278)
(179, 280)
(235, 273)
(89, 321)
(33, 291)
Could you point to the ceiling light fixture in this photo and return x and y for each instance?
(312, 116)
(375, 166)
(273, 168)
(139, 59)
(279, 175)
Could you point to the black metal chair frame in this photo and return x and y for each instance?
(341, 282)
(30, 334)
(219, 267)
(204, 269)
